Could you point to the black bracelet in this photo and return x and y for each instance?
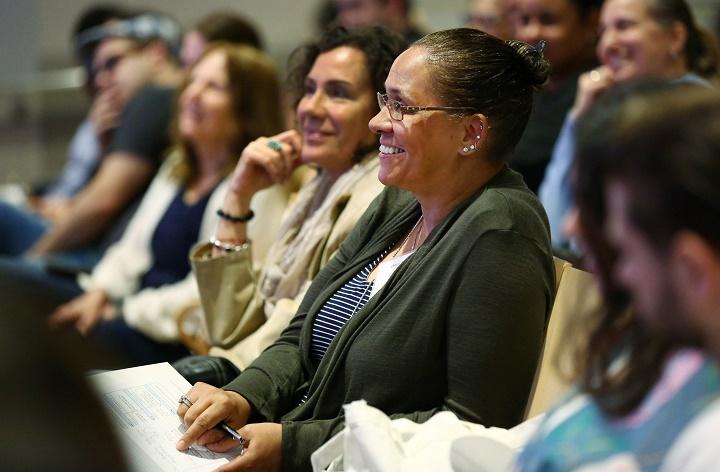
(236, 218)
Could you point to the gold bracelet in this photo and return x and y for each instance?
(228, 247)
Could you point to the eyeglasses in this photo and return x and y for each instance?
(109, 64)
(397, 110)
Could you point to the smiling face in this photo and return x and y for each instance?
(634, 45)
(416, 153)
(206, 103)
(335, 108)
(569, 37)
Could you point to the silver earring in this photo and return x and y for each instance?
(472, 147)
(466, 150)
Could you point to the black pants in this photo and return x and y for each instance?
(216, 371)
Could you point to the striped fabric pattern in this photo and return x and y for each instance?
(339, 308)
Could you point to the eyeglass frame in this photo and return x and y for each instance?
(383, 101)
(109, 64)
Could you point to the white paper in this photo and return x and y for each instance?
(142, 403)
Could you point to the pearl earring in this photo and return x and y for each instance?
(466, 150)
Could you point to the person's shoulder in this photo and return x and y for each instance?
(695, 450)
(507, 203)
(152, 94)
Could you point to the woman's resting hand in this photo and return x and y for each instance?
(211, 406)
(84, 312)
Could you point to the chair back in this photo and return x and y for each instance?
(576, 295)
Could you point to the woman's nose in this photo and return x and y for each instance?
(312, 104)
(530, 32)
(380, 123)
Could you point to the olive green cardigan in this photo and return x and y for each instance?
(459, 326)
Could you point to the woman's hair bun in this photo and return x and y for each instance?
(536, 66)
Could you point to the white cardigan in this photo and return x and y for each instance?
(153, 310)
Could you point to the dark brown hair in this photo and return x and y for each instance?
(643, 133)
(229, 27)
(379, 45)
(254, 87)
(494, 77)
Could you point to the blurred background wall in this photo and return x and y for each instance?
(40, 99)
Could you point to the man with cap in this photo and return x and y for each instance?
(135, 67)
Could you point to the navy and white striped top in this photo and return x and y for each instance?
(339, 308)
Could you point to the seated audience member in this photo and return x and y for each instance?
(491, 16)
(334, 80)
(230, 98)
(52, 420)
(393, 14)
(438, 298)
(650, 226)
(135, 65)
(84, 152)
(638, 39)
(569, 30)
(226, 26)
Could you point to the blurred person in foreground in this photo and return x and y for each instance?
(438, 298)
(52, 419)
(648, 210)
(333, 80)
(639, 39)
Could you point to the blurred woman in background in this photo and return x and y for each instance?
(130, 300)
(639, 39)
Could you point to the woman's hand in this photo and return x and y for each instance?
(261, 166)
(263, 449)
(211, 406)
(591, 85)
(83, 312)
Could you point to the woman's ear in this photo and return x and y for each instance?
(475, 136)
(679, 34)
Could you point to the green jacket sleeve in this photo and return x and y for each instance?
(494, 330)
(271, 383)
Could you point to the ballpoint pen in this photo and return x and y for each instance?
(185, 400)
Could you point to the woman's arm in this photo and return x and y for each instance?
(495, 325)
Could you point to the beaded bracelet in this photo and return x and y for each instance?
(228, 247)
(235, 218)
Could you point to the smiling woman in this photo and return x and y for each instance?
(639, 39)
(333, 81)
(438, 298)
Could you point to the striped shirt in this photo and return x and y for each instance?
(339, 308)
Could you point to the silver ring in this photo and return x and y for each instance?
(185, 400)
(274, 145)
(594, 75)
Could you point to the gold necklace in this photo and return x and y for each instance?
(407, 238)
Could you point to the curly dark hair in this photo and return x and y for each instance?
(380, 46)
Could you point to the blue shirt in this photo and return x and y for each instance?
(177, 231)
